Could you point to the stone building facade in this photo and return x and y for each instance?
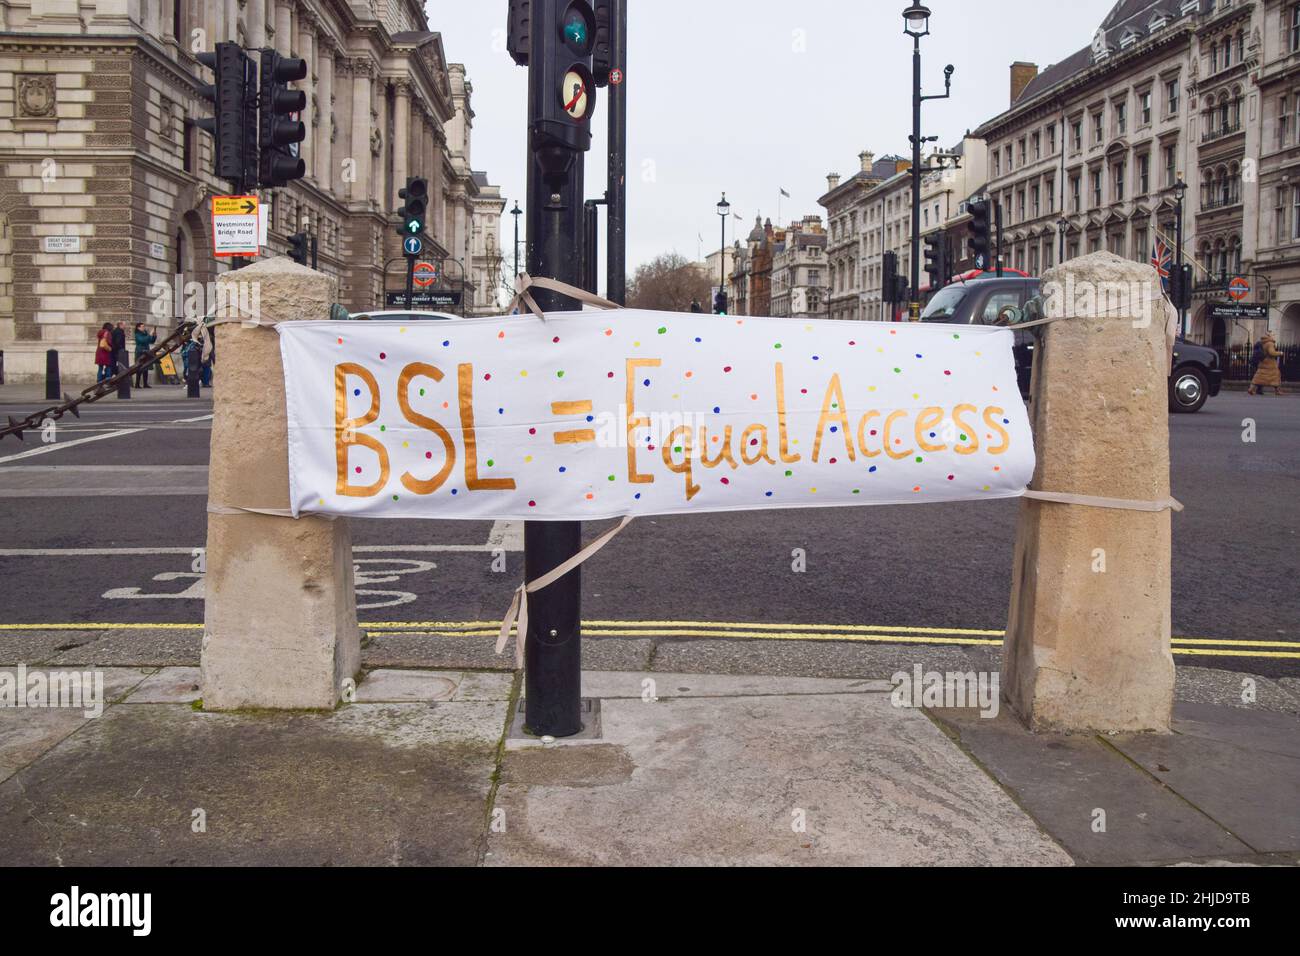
(1090, 150)
(106, 183)
(799, 271)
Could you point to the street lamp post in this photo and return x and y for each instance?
(724, 207)
(1180, 192)
(1062, 225)
(916, 24)
(516, 212)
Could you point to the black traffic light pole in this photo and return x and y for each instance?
(555, 39)
(616, 190)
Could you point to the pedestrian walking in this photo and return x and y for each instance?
(104, 353)
(1269, 370)
(144, 340)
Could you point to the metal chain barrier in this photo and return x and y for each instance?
(94, 393)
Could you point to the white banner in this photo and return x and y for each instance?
(602, 414)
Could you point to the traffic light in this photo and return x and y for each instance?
(900, 290)
(233, 134)
(979, 232)
(600, 57)
(415, 200)
(720, 303)
(298, 248)
(279, 133)
(889, 277)
(518, 31)
(563, 33)
(935, 266)
(1180, 287)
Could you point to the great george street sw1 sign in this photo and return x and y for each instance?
(594, 414)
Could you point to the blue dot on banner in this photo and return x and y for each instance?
(872, 469)
(817, 358)
(834, 429)
(1006, 421)
(931, 434)
(918, 355)
(501, 411)
(356, 391)
(698, 339)
(446, 342)
(768, 495)
(563, 469)
(453, 491)
(717, 409)
(646, 382)
(638, 496)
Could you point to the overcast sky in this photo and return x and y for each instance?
(750, 96)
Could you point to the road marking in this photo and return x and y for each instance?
(881, 634)
(148, 552)
(60, 445)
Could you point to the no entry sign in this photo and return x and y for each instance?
(595, 415)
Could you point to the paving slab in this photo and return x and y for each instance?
(169, 685)
(389, 686)
(609, 685)
(1241, 769)
(1064, 780)
(1209, 685)
(729, 780)
(368, 784)
(26, 733)
(145, 647)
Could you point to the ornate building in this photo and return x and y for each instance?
(106, 184)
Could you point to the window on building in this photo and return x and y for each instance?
(1022, 151)
(1020, 206)
(1076, 134)
(1072, 249)
(1171, 97)
(1142, 249)
(1051, 195)
(1119, 172)
(1227, 53)
(1098, 128)
(1121, 118)
(1171, 165)
(1049, 250)
(1051, 140)
(1034, 202)
(1096, 188)
(1033, 260)
(1144, 174)
(1094, 244)
(1295, 28)
(997, 163)
(1037, 143)
(1146, 108)
(1295, 212)
(1283, 117)
(1076, 203)
(1214, 57)
(1006, 154)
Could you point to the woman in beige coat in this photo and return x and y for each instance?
(1269, 372)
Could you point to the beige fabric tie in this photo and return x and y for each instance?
(523, 297)
(1091, 501)
(518, 612)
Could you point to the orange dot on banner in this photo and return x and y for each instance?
(590, 496)
(501, 335)
(715, 439)
(893, 331)
(340, 341)
(995, 388)
(689, 374)
(609, 331)
(445, 405)
(917, 488)
(997, 467)
(753, 398)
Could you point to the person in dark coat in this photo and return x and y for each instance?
(104, 353)
(120, 357)
(144, 340)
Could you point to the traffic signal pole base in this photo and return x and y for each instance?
(552, 652)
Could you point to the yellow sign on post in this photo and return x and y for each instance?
(235, 225)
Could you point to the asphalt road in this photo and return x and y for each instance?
(101, 526)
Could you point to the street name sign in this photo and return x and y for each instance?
(422, 299)
(1237, 310)
(603, 414)
(235, 226)
(61, 244)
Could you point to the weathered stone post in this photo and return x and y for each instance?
(280, 621)
(1087, 645)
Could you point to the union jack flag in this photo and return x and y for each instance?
(1162, 260)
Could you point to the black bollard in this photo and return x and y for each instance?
(123, 383)
(53, 389)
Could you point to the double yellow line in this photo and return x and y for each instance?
(747, 631)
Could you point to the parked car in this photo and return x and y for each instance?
(1197, 373)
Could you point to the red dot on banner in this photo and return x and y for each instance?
(532, 504)
(358, 469)
(726, 368)
(803, 391)
(428, 454)
(726, 481)
(532, 431)
(946, 372)
(383, 355)
(340, 341)
(609, 375)
(556, 339)
(832, 461)
(873, 431)
(501, 335)
(487, 376)
(852, 342)
(609, 331)
(951, 477)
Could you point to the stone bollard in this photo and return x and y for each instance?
(1087, 644)
(280, 620)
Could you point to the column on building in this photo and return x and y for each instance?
(359, 143)
(323, 153)
(306, 46)
(231, 26)
(401, 137)
(255, 22)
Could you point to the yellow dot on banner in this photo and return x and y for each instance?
(813, 490)
(321, 502)
(523, 373)
(636, 345)
(796, 441)
(808, 328)
(401, 330)
(527, 459)
(675, 397)
(406, 444)
(880, 350)
(979, 353)
(871, 388)
(916, 395)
